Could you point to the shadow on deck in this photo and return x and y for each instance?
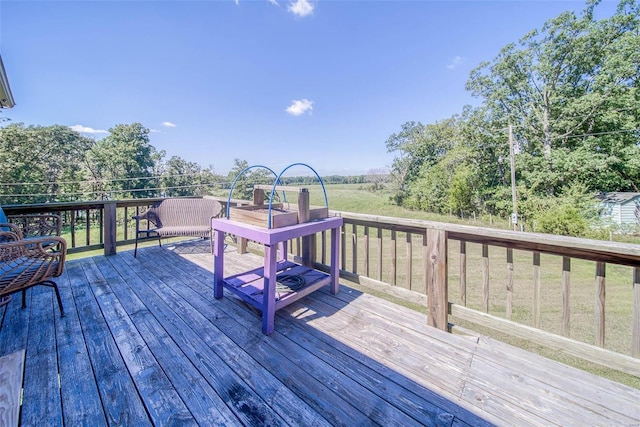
(145, 343)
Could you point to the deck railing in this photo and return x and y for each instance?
(509, 288)
(433, 260)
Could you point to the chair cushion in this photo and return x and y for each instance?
(184, 230)
(3, 220)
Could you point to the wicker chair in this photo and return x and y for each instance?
(175, 217)
(25, 263)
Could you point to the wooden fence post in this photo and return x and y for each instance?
(463, 273)
(509, 309)
(536, 290)
(600, 302)
(485, 277)
(436, 273)
(635, 328)
(110, 228)
(566, 296)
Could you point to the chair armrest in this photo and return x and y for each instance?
(47, 245)
(142, 215)
(8, 236)
(148, 215)
(50, 251)
(12, 228)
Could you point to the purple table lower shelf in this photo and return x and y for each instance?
(259, 286)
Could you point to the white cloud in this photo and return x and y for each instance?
(300, 8)
(85, 129)
(155, 130)
(299, 107)
(274, 2)
(457, 60)
(168, 124)
(237, 2)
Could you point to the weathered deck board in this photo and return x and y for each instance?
(119, 398)
(252, 340)
(144, 342)
(203, 343)
(11, 376)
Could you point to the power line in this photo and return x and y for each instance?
(100, 181)
(613, 132)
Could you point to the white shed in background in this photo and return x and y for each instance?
(621, 208)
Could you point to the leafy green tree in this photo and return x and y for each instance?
(244, 186)
(247, 179)
(419, 148)
(461, 191)
(574, 213)
(42, 163)
(408, 144)
(181, 178)
(572, 91)
(123, 162)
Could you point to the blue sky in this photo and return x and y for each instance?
(271, 82)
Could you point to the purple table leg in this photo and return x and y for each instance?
(218, 264)
(269, 292)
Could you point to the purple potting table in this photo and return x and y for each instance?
(258, 287)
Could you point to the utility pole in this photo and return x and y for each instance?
(512, 155)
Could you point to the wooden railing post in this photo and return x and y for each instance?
(242, 245)
(536, 289)
(436, 272)
(110, 228)
(509, 309)
(365, 248)
(566, 296)
(308, 242)
(485, 278)
(409, 260)
(354, 248)
(379, 238)
(394, 258)
(463, 273)
(600, 302)
(635, 328)
(343, 247)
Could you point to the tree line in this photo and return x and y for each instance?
(57, 164)
(570, 91)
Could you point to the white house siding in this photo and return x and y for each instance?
(622, 209)
(628, 214)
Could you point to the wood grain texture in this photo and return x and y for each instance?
(537, 295)
(463, 273)
(635, 328)
(11, 374)
(509, 304)
(599, 313)
(566, 297)
(437, 283)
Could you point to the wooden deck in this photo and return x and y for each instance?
(145, 343)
